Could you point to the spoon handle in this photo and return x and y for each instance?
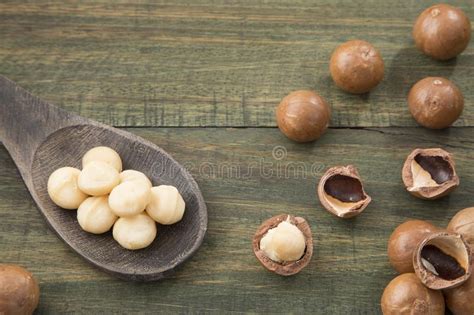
(26, 121)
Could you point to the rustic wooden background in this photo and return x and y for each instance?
(201, 79)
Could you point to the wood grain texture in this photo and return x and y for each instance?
(42, 138)
(215, 62)
(349, 268)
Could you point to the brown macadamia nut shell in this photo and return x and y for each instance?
(284, 268)
(435, 102)
(433, 192)
(303, 116)
(460, 300)
(442, 31)
(406, 295)
(19, 290)
(356, 67)
(403, 242)
(463, 223)
(350, 209)
(453, 245)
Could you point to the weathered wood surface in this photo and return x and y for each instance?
(215, 62)
(349, 268)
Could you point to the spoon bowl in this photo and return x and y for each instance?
(61, 139)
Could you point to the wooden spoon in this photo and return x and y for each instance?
(41, 138)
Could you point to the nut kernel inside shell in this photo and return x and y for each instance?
(284, 268)
(341, 192)
(443, 260)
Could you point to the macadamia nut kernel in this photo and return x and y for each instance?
(129, 198)
(132, 175)
(166, 205)
(135, 232)
(98, 178)
(104, 154)
(283, 243)
(95, 216)
(63, 188)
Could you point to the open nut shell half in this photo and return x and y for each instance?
(284, 268)
(429, 173)
(341, 192)
(442, 260)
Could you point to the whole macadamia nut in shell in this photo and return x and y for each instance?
(98, 178)
(63, 188)
(356, 67)
(104, 154)
(460, 300)
(435, 102)
(303, 116)
(406, 295)
(95, 216)
(135, 232)
(19, 291)
(463, 223)
(403, 242)
(442, 31)
(166, 205)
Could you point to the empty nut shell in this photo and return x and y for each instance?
(303, 116)
(429, 173)
(406, 295)
(463, 223)
(460, 300)
(404, 241)
(442, 260)
(442, 31)
(285, 268)
(341, 192)
(356, 67)
(435, 102)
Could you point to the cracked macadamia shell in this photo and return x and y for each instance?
(404, 241)
(460, 300)
(104, 154)
(341, 192)
(303, 116)
(442, 260)
(463, 223)
(442, 31)
(429, 173)
(406, 295)
(284, 268)
(356, 67)
(19, 291)
(435, 102)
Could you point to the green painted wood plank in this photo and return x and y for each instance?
(243, 184)
(214, 62)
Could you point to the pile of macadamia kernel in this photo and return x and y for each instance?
(106, 197)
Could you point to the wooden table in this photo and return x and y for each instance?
(202, 80)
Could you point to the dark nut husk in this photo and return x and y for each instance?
(442, 31)
(406, 295)
(356, 67)
(435, 102)
(429, 173)
(442, 260)
(341, 192)
(403, 242)
(303, 116)
(460, 300)
(19, 291)
(283, 243)
(463, 223)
